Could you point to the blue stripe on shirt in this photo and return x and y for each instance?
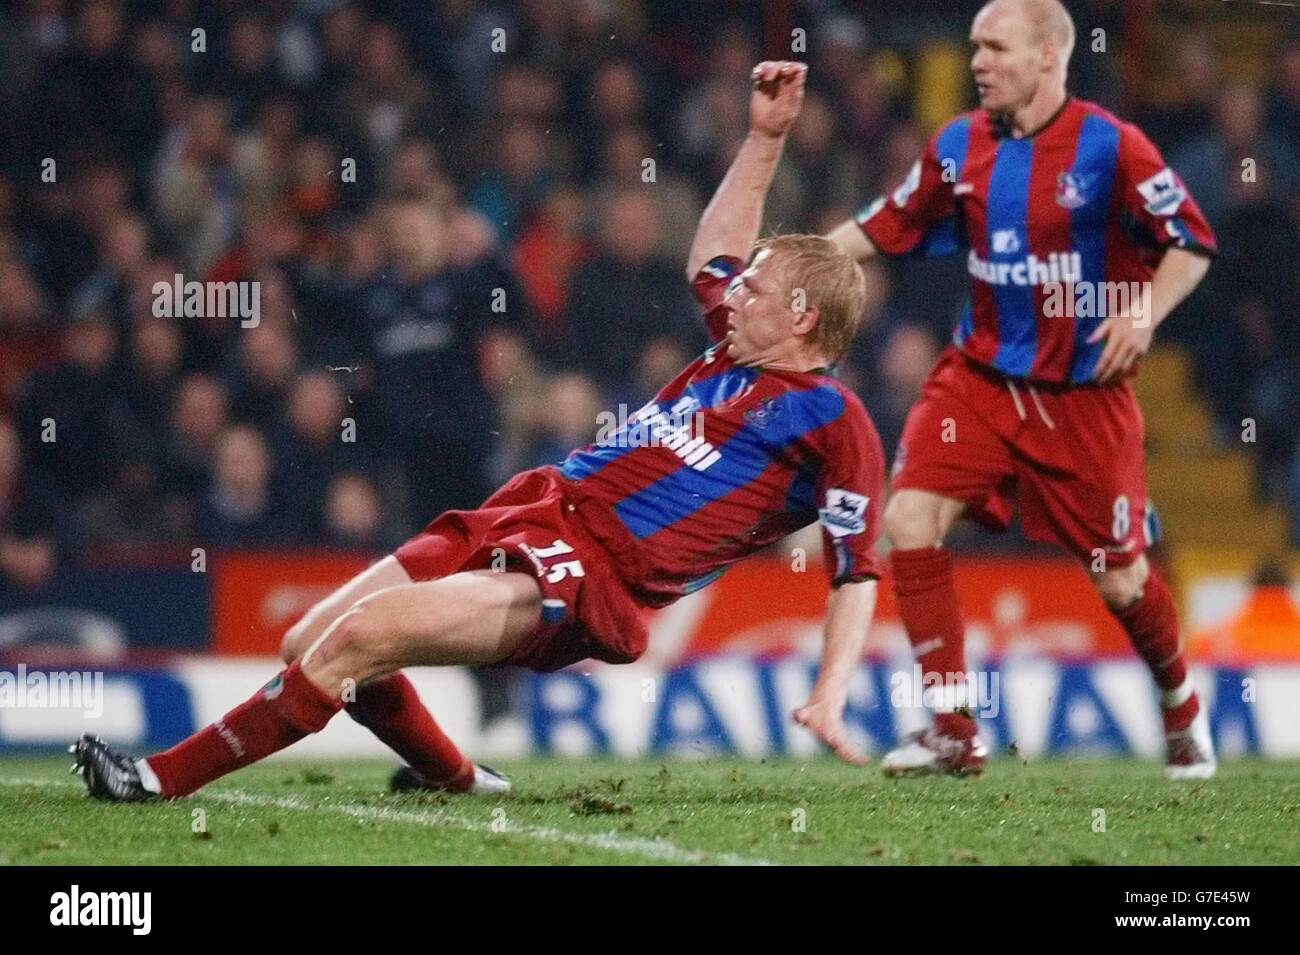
(744, 456)
(708, 392)
(1008, 202)
(1095, 159)
(944, 237)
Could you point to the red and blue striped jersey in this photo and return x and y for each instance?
(726, 459)
(1082, 211)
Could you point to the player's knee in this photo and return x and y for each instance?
(911, 522)
(349, 642)
(1122, 586)
(299, 637)
(295, 642)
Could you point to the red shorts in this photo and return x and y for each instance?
(1071, 457)
(529, 525)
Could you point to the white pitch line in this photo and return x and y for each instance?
(659, 850)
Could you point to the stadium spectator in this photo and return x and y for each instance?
(29, 522)
(123, 253)
(908, 353)
(386, 96)
(419, 328)
(239, 509)
(268, 362)
(513, 376)
(570, 415)
(628, 293)
(1282, 108)
(26, 344)
(247, 74)
(518, 174)
(72, 417)
(417, 170)
(231, 168)
(659, 358)
(264, 150)
(198, 416)
(1191, 108)
(1249, 364)
(630, 162)
(1238, 146)
(132, 513)
(341, 29)
(712, 112)
(90, 91)
(153, 365)
(195, 195)
(549, 250)
(311, 446)
(817, 170)
(354, 516)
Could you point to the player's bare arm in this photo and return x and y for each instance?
(731, 221)
(1128, 336)
(849, 610)
(848, 235)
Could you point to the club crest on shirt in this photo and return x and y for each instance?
(762, 413)
(1071, 190)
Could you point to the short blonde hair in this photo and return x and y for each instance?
(830, 279)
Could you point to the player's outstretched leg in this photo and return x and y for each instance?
(473, 619)
(390, 707)
(916, 522)
(1142, 604)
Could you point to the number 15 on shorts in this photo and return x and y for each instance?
(555, 570)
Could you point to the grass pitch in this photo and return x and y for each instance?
(720, 811)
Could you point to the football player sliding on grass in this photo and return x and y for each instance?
(753, 440)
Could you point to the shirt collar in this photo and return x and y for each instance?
(1002, 127)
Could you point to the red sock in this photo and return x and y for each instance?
(1152, 626)
(927, 602)
(1178, 717)
(391, 709)
(279, 714)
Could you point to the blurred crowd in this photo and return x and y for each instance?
(467, 224)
